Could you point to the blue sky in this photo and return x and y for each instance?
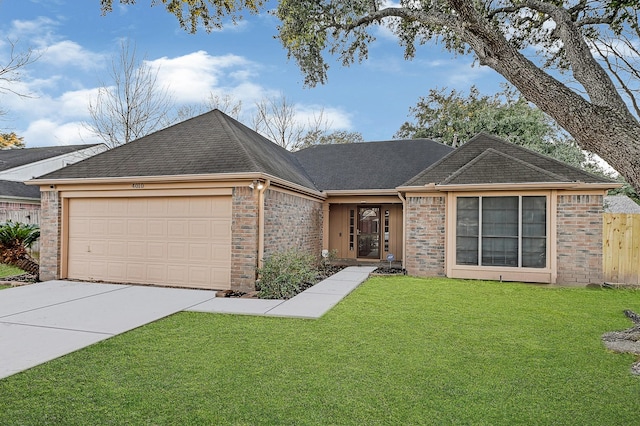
(77, 43)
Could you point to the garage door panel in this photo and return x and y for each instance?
(221, 230)
(117, 207)
(199, 275)
(114, 250)
(98, 269)
(117, 227)
(156, 251)
(156, 272)
(156, 228)
(136, 207)
(199, 252)
(176, 229)
(79, 227)
(156, 207)
(199, 229)
(174, 241)
(99, 226)
(177, 208)
(136, 227)
(137, 249)
(117, 271)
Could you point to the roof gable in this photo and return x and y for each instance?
(369, 165)
(16, 157)
(497, 167)
(210, 143)
(489, 159)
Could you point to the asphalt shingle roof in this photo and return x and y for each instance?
(489, 159)
(209, 143)
(12, 189)
(11, 158)
(215, 143)
(620, 204)
(369, 165)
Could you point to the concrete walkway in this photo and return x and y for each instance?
(311, 303)
(43, 321)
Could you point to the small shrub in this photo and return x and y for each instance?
(283, 275)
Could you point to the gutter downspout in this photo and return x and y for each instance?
(261, 192)
(404, 229)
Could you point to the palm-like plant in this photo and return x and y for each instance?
(15, 239)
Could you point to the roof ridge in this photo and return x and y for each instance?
(223, 120)
(490, 151)
(536, 153)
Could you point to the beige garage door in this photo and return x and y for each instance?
(171, 241)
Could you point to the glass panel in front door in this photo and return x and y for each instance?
(369, 232)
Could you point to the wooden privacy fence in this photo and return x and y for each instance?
(22, 216)
(621, 248)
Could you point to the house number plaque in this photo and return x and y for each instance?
(138, 185)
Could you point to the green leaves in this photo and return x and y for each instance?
(451, 118)
(191, 13)
(18, 234)
(283, 275)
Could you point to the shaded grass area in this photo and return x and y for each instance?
(9, 271)
(398, 350)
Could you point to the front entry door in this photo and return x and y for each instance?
(369, 232)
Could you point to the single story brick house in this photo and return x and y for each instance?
(201, 203)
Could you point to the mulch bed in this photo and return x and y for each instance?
(18, 280)
(385, 270)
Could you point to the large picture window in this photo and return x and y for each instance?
(502, 231)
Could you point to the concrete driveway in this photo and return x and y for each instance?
(43, 321)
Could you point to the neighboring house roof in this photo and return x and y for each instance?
(210, 143)
(489, 159)
(620, 204)
(369, 165)
(16, 157)
(11, 189)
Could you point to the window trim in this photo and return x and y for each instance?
(507, 273)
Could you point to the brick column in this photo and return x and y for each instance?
(425, 234)
(579, 239)
(244, 238)
(50, 235)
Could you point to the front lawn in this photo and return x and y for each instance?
(398, 350)
(9, 271)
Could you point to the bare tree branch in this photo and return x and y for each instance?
(133, 105)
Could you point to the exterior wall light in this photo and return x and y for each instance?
(256, 184)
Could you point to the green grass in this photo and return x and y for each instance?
(9, 271)
(396, 351)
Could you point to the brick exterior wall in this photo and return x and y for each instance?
(579, 239)
(244, 238)
(425, 236)
(292, 222)
(50, 221)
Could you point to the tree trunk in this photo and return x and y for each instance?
(602, 125)
(29, 265)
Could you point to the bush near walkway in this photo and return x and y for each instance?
(285, 274)
(398, 350)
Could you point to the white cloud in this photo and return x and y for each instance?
(46, 132)
(192, 77)
(335, 118)
(70, 53)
